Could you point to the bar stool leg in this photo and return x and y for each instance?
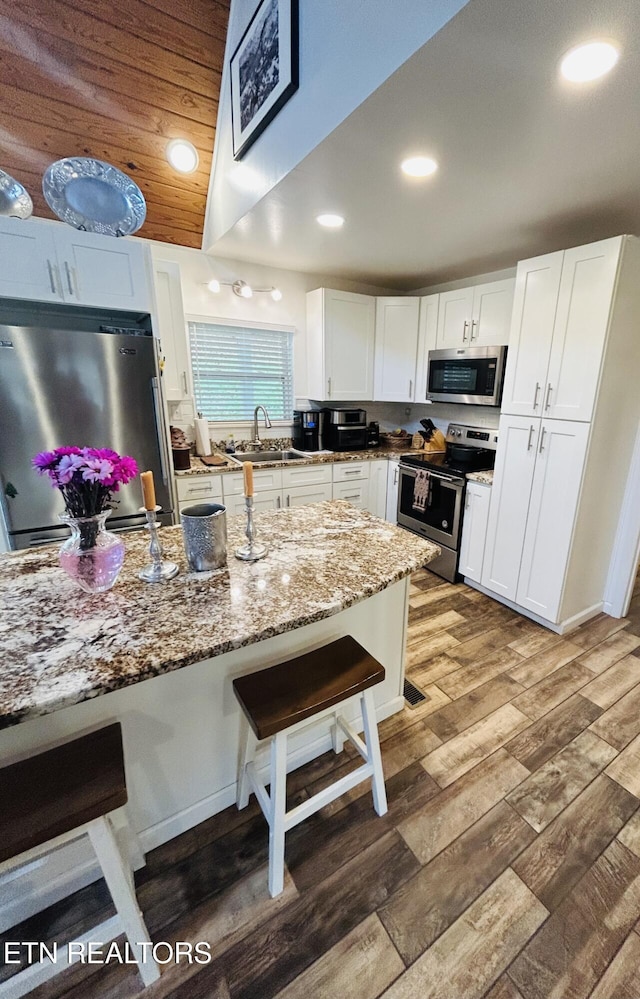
(247, 753)
(116, 875)
(373, 751)
(278, 796)
(337, 735)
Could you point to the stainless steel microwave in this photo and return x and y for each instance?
(473, 376)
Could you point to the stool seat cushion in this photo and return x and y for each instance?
(62, 788)
(274, 699)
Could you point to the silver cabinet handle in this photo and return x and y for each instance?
(474, 323)
(531, 429)
(329, 387)
(395, 477)
(185, 386)
(547, 402)
(535, 395)
(200, 489)
(352, 496)
(52, 280)
(352, 471)
(464, 330)
(278, 502)
(541, 448)
(67, 270)
(288, 501)
(410, 387)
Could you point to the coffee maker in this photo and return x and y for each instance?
(307, 429)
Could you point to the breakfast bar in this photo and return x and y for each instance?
(73, 661)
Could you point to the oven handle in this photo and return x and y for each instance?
(434, 475)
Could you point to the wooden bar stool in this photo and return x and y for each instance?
(280, 700)
(53, 798)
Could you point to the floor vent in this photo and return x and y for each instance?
(412, 695)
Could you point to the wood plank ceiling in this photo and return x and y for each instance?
(114, 80)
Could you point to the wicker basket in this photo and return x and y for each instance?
(396, 442)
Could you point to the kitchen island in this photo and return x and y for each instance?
(331, 570)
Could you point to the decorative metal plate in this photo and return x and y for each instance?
(15, 202)
(94, 196)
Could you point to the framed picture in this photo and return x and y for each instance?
(264, 70)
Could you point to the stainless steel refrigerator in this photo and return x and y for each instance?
(78, 380)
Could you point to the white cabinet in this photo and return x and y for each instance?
(307, 475)
(340, 345)
(427, 334)
(199, 488)
(170, 325)
(393, 475)
(534, 501)
(377, 504)
(301, 495)
(356, 492)
(396, 349)
(52, 262)
(276, 488)
(264, 499)
(478, 316)
(560, 322)
(263, 478)
(474, 530)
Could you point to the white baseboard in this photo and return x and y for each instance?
(560, 629)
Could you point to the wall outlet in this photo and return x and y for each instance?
(407, 411)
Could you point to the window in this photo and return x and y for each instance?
(236, 368)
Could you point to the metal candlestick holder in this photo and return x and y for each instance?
(159, 570)
(250, 552)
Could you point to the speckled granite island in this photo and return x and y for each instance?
(331, 570)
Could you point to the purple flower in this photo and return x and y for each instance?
(97, 470)
(87, 477)
(127, 468)
(68, 465)
(43, 461)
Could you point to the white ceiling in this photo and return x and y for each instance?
(528, 163)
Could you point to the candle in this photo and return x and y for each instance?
(248, 478)
(148, 490)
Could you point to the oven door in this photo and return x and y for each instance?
(441, 517)
(472, 376)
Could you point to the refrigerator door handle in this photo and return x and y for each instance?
(157, 412)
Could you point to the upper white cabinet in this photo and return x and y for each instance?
(427, 333)
(561, 313)
(340, 345)
(478, 316)
(51, 262)
(396, 349)
(170, 324)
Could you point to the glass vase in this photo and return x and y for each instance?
(92, 556)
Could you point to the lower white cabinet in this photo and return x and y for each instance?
(534, 502)
(300, 495)
(377, 504)
(266, 499)
(199, 489)
(356, 492)
(393, 474)
(474, 530)
(263, 478)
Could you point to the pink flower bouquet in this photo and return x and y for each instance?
(87, 477)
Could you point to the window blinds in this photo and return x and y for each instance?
(237, 368)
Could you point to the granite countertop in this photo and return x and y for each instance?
(370, 454)
(60, 646)
(486, 478)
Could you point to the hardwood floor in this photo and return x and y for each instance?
(507, 866)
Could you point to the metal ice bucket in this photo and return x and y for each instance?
(204, 529)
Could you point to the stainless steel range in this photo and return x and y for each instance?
(432, 487)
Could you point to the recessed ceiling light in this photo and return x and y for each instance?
(330, 221)
(419, 166)
(588, 62)
(214, 286)
(182, 155)
(276, 294)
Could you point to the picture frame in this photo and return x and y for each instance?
(263, 70)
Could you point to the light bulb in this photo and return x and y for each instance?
(214, 286)
(182, 155)
(246, 291)
(276, 294)
(588, 62)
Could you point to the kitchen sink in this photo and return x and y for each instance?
(257, 456)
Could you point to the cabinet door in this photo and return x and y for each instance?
(356, 492)
(171, 327)
(580, 330)
(301, 495)
(427, 334)
(455, 311)
(263, 479)
(103, 271)
(308, 475)
(515, 462)
(377, 503)
(491, 318)
(396, 349)
(391, 513)
(349, 331)
(534, 312)
(474, 530)
(269, 499)
(199, 488)
(29, 267)
(561, 451)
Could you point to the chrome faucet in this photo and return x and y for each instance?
(256, 442)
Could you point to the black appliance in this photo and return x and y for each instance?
(468, 375)
(373, 434)
(432, 486)
(307, 434)
(345, 429)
